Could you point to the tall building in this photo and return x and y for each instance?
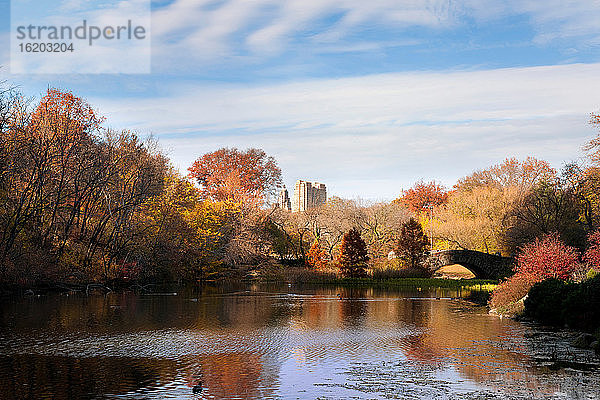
(308, 195)
(283, 201)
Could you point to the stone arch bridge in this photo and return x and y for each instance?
(483, 265)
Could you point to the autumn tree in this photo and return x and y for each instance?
(412, 243)
(136, 174)
(179, 234)
(423, 195)
(288, 234)
(353, 255)
(329, 222)
(248, 176)
(299, 230)
(316, 257)
(380, 223)
(583, 182)
(522, 175)
(548, 207)
(487, 210)
(70, 189)
(249, 243)
(476, 219)
(545, 257)
(49, 154)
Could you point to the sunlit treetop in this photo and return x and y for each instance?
(511, 172)
(60, 114)
(249, 176)
(423, 196)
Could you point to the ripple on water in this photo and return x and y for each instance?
(259, 345)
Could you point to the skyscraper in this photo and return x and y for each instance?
(308, 195)
(283, 201)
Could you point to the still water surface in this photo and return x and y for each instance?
(264, 341)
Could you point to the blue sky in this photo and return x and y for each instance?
(367, 97)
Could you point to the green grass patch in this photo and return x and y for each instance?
(424, 283)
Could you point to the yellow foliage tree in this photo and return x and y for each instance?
(185, 232)
(476, 219)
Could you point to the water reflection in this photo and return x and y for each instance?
(56, 377)
(270, 342)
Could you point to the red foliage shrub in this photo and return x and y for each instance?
(512, 290)
(592, 254)
(548, 257)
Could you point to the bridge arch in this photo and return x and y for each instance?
(482, 265)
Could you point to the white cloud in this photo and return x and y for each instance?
(268, 26)
(83, 55)
(391, 127)
(551, 19)
(203, 31)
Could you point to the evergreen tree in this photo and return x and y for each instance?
(353, 255)
(413, 243)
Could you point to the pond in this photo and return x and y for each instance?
(281, 341)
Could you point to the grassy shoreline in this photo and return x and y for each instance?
(425, 283)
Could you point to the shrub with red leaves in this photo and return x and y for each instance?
(512, 290)
(548, 257)
(592, 254)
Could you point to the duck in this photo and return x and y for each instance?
(197, 388)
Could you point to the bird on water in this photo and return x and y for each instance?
(197, 388)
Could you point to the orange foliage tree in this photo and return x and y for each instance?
(424, 195)
(248, 176)
(62, 115)
(316, 256)
(49, 157)
(522, 175)
(70, 191)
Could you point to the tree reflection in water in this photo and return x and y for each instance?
(26, 376)
(264, 342)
